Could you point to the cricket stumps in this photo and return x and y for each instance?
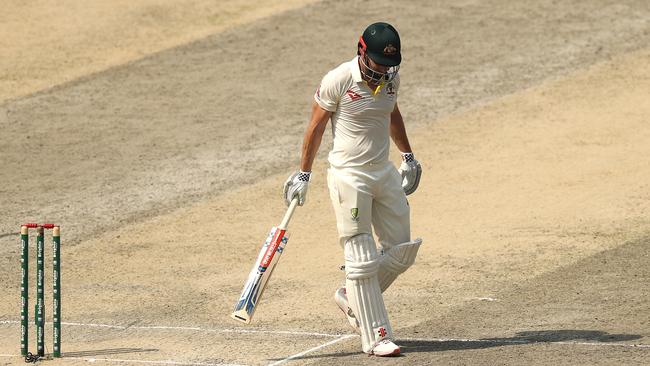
(39, 313)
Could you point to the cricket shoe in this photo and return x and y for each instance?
(341, 299)
(384, 348)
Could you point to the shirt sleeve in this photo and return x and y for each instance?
(329, 92)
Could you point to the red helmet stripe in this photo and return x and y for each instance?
(363, 43)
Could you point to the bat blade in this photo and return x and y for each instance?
(260, 274)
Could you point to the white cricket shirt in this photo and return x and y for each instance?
(360, 119)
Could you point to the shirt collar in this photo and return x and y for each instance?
(356, 72)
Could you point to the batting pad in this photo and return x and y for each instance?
(396, 261)
(364, 295)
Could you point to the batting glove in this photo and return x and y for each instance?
(411, 171)
(296, 186)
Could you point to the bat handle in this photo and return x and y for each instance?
(287, 216)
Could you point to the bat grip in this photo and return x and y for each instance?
(287, 216)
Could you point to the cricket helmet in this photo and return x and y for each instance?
(380, 41)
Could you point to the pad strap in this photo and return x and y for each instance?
(361, 270)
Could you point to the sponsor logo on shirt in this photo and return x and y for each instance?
(353, 95)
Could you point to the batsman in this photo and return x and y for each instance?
(367, 192)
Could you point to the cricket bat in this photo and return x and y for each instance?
(263, 268)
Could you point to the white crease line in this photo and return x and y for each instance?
(168, 362)
(260, 331)
(196, 329)
(523, 341)
(602, 344)
(440, 340)
(313, 349)
(151, 362)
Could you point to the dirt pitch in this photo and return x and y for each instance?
(158, 134)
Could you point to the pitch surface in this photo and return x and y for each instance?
(164, 170)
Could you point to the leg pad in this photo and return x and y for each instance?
(364, 294)
(396, 261)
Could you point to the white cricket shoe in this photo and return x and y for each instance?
(341, 299)
(385, 347)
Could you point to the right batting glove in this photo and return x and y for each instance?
(411, 171)
(296, 186)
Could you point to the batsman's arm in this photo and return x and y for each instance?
(398, 131)
(313, 135)
(410, 169)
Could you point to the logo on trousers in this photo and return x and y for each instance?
(355, 214)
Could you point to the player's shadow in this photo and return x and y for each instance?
(521, 338)
(109, 351)
(528, 337)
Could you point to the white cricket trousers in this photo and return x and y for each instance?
(370, 197)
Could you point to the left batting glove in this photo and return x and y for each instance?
(411, 171)
(296, 186)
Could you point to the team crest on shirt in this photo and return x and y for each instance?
(355, 214)
(390, 89)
